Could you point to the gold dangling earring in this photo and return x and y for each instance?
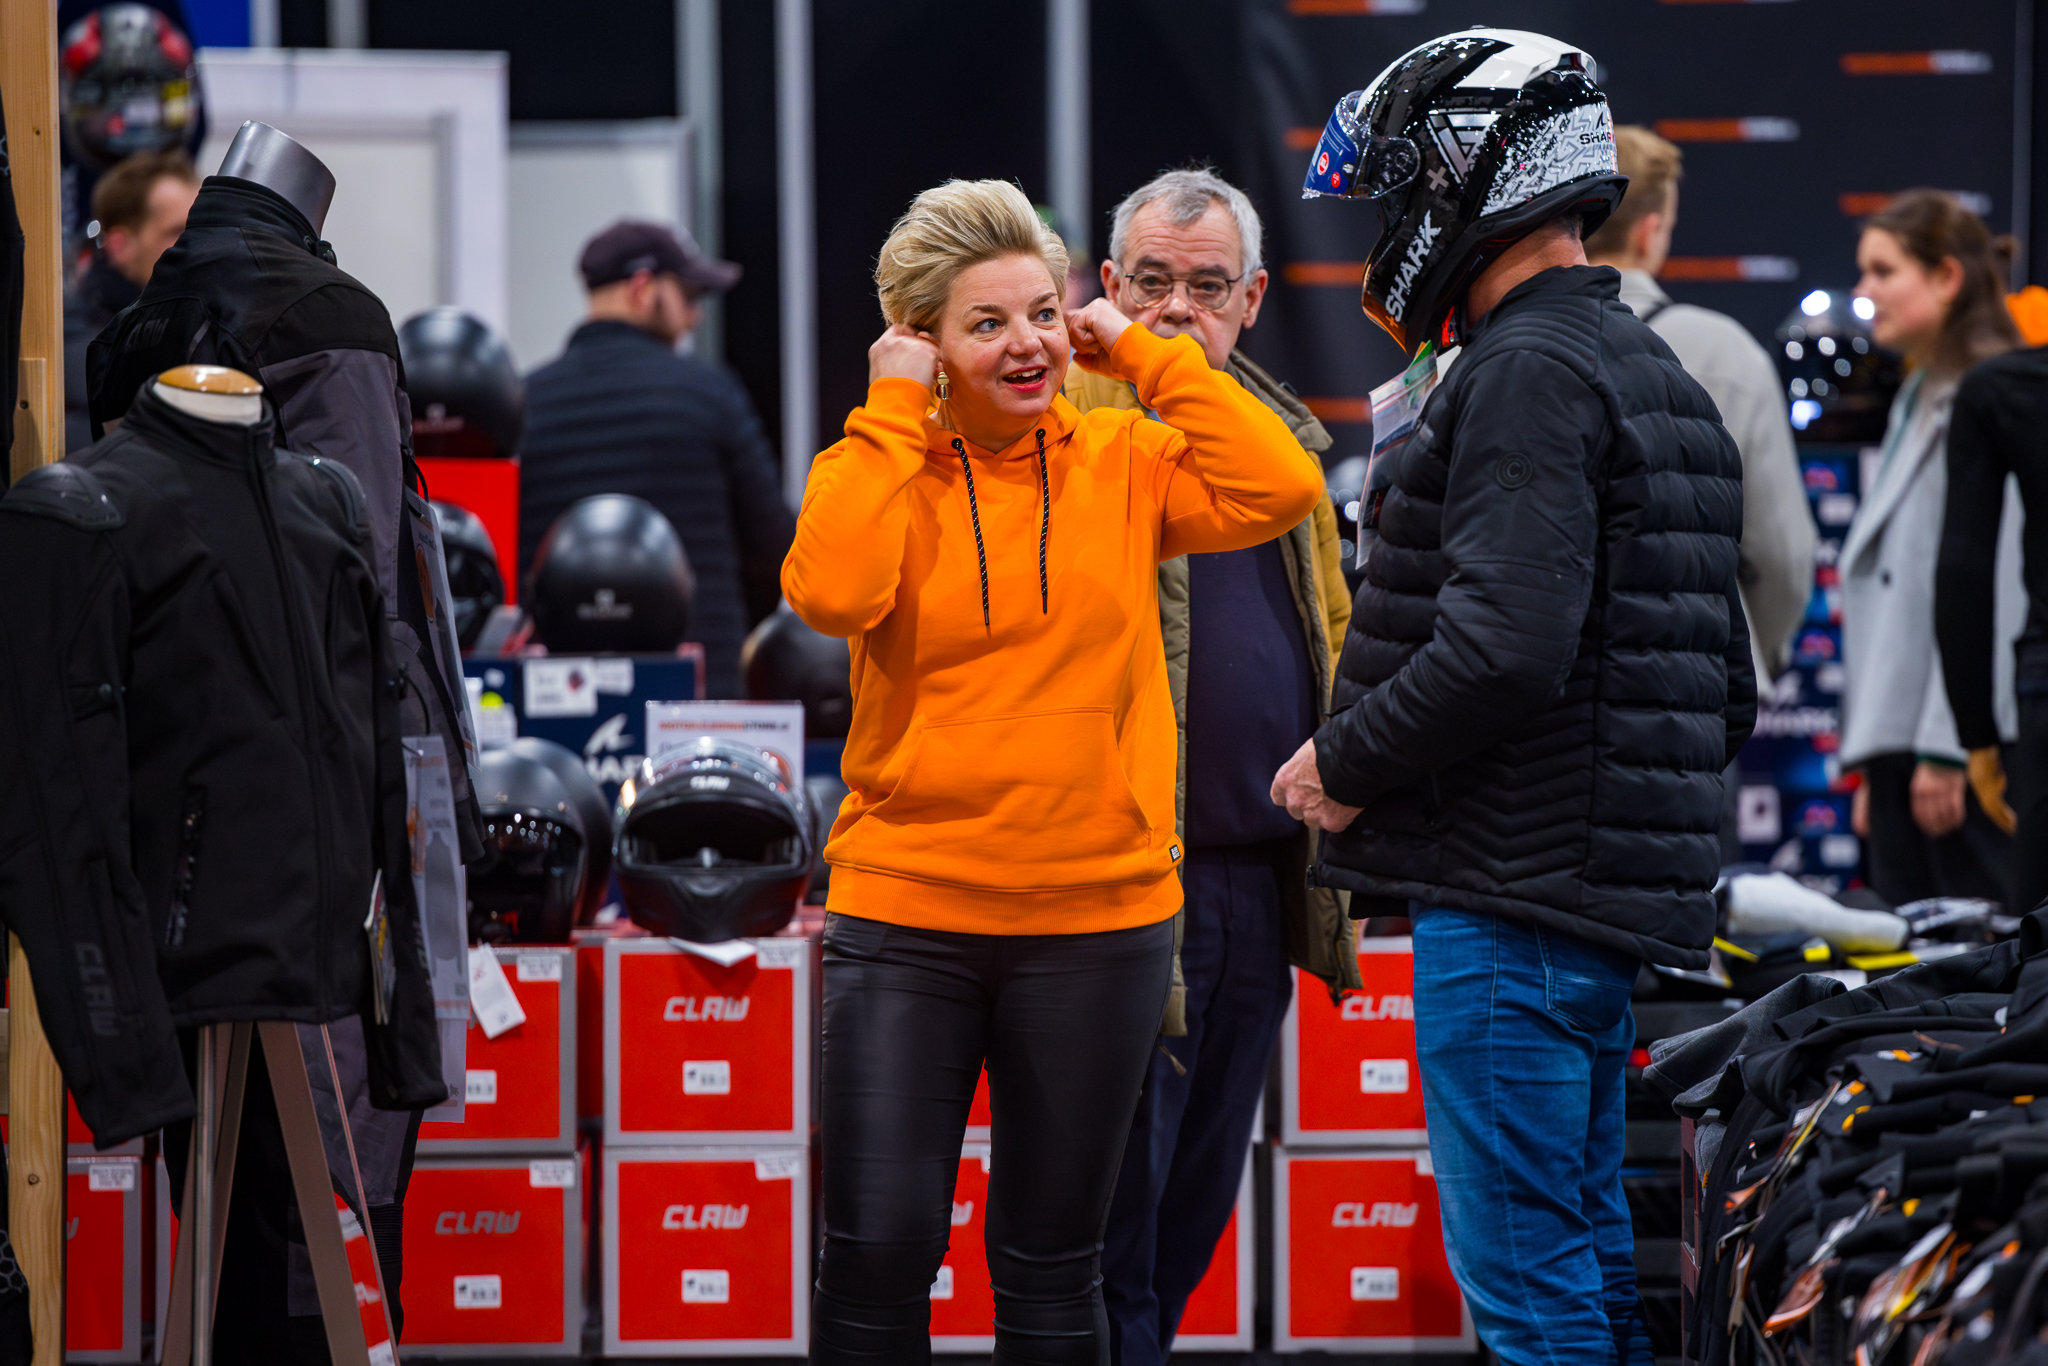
(945, 389)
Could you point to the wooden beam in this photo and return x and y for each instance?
(35, 1088)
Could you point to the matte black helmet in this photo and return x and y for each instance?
(127, 84)
(531, 880)
(611, 577)
(473, 578)
(1465, 144)
(712, 843)
(784, 660)
(593, 808)
(467, 399)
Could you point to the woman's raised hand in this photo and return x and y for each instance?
(1094, 330)
(903, 352)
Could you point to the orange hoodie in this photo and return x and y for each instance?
(1017, 777)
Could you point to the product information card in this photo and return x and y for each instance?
(774, 726)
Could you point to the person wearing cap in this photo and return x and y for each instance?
(622, 411)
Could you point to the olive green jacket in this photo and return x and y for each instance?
(1318, 924)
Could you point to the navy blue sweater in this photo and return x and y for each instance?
(620, 412)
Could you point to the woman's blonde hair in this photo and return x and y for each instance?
(953, 226)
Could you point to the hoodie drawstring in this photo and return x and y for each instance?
(974, 512)
(1044, 526)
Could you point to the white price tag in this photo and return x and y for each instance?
(782, 953)
(538, 967)
(781, 1166)
(706, 1287)
(480, 1086)
(1383, 1076)
(1375, 1283)
(490, 995)
(553, 1173)
(381, 1354)
(612, 676)
(942, 1284)
(725, 953)
(561, 687)
(479, 1292)
(707, 1078)
(110, 1176)
(775, 726)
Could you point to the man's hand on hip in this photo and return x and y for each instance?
(1298, 786)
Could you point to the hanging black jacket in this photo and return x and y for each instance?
(199, 719)
(1547, 666)
(248, 285)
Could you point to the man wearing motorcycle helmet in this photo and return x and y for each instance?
(1546, 669)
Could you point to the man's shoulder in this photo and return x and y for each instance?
(1690, 330)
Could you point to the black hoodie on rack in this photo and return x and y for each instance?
(200, 726)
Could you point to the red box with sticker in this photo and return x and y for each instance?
(707, 1251)
(719, 1053)
(494, 1255)
(521, 1093)
(1348, 1075)
(103, 1258)
(1358, 1256)
(1218, 1316)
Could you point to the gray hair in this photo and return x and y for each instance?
(1187, 195)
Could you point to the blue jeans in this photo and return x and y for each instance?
(1523, 1035)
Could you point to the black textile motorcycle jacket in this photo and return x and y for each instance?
(199, 724)
(249, 286)
(1547, 666)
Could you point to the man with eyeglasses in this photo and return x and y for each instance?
(1251, 636)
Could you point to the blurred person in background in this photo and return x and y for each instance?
(1936, 285)
(140, 207)
(1999, 430)
(1776, 569)
(1251, 642)
(622, 411)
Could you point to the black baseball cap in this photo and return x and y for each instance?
(628, 247)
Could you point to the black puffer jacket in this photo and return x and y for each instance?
(1547, 666)
(199, 723)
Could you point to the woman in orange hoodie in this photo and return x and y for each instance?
(1003, 876)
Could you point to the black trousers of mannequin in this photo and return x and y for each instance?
(1065, 1024)
(1907, 864)
(253, 1323)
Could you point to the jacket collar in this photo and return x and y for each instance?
(1921, 435)
(1306, 426)
(231, 202)
(218, 442)
(1640, 291)
(1558, 282)
(1058, 424)
(600, 330)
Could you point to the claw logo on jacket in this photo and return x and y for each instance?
(1382, 1214)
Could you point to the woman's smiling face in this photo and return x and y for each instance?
(1003, 343)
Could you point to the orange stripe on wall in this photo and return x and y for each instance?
(1700, 130)
(1303, 139)
(1341, 409)
(1349, 273)
(1701, 268)
(1888, 63)
(1863, 205)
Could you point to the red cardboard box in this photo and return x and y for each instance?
(718, 1056)
(1348, 1075)
(522, 1084)
(707, 1251)
(1218, 1317)
(494, 1256)
(1358, 1256)
(978, 1112)
(103, 1259)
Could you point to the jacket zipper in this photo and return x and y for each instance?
(288, 583)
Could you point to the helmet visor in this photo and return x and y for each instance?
(1352, 162)
(525, 887)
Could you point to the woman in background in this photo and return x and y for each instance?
(1003, 878)
(1936, 285)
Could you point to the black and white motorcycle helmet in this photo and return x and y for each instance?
(1465, 144)
(712, 843)
(540, 857)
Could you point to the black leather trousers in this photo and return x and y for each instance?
(1066, 1024)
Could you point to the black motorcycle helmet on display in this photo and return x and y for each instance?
(531, 879)
(474, 582)
(784, 660)
(712, 843)
(594, 815)
(127, 84)
(1839, 381)
(1465, 144)
(467, 399)
(611, 577)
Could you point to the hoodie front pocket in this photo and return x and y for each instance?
(1030, 802)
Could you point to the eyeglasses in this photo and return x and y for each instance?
(1207, 290)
